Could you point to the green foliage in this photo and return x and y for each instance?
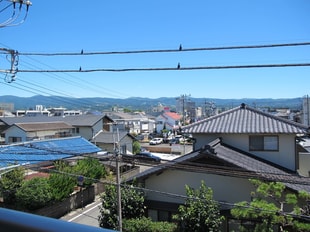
(62, 184)
(132, 202)
(10, 182)
(90, 168)
(268, 202)
(34, 193)
(147, 225)
(200, 212)
(136, 147)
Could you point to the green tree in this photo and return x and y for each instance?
(136, 147)
(267, 208)
(132, 202)
(91, 169)
(61, 182)
(10, 182)
(34, 193)
(200, 212)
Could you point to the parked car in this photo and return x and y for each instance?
(147, 156)
(143, 156)
(156, 141)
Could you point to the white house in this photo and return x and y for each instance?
(169, 121)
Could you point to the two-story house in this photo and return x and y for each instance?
(133, 122)
(168, 120)
(21, 132)
(230, 148)
(86, 126)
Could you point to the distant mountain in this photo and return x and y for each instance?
(139, 103)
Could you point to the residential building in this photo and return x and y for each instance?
(21, 132)
(112, 141)
(230, 148)
(170, 121)
(86, 126)
(134, 123)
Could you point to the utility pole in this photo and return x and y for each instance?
(118, 183)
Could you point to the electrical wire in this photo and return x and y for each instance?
(168, 194)
(180, 49)
(177, 68)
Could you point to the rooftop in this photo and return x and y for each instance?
(245, 119)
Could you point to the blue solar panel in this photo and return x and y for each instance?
(45, 150)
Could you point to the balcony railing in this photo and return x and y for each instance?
(12, 220)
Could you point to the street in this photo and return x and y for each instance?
(86, 216)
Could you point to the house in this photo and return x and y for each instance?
(86, 126)
(230, 148)
(168, 120)
(108, 141)
(136, 123)
(21, 132)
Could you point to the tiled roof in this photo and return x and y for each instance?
(42, 126)
(76, 120)
(241, 165)
(245, 119)
(110, 137)
(173, 115)
(45, 150)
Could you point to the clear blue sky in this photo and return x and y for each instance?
(69, 26)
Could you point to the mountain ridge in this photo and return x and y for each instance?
(141, 103)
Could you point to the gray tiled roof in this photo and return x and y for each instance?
(241, 165)
(245, 119)
(109, 137)
(77, 120)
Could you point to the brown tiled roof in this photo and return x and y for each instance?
(245, 119)
(39, 126)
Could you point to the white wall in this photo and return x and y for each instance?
(285, 157)
(225, 188)
(304, 164)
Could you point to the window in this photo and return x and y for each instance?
(263, 143)
(15, 139)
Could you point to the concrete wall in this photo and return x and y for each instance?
(77, 200)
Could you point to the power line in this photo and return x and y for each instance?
(180, 49)
(177, 68)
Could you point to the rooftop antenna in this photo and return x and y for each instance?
(13, 12)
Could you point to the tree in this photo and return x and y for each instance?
(267, 208)
(200, 212)
(61, 182)
(136, 147)
(34, 193)
(90, 168)
(132, 202)
(10, 182)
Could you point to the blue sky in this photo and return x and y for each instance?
(70, 26)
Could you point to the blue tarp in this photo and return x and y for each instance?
(45, 150)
